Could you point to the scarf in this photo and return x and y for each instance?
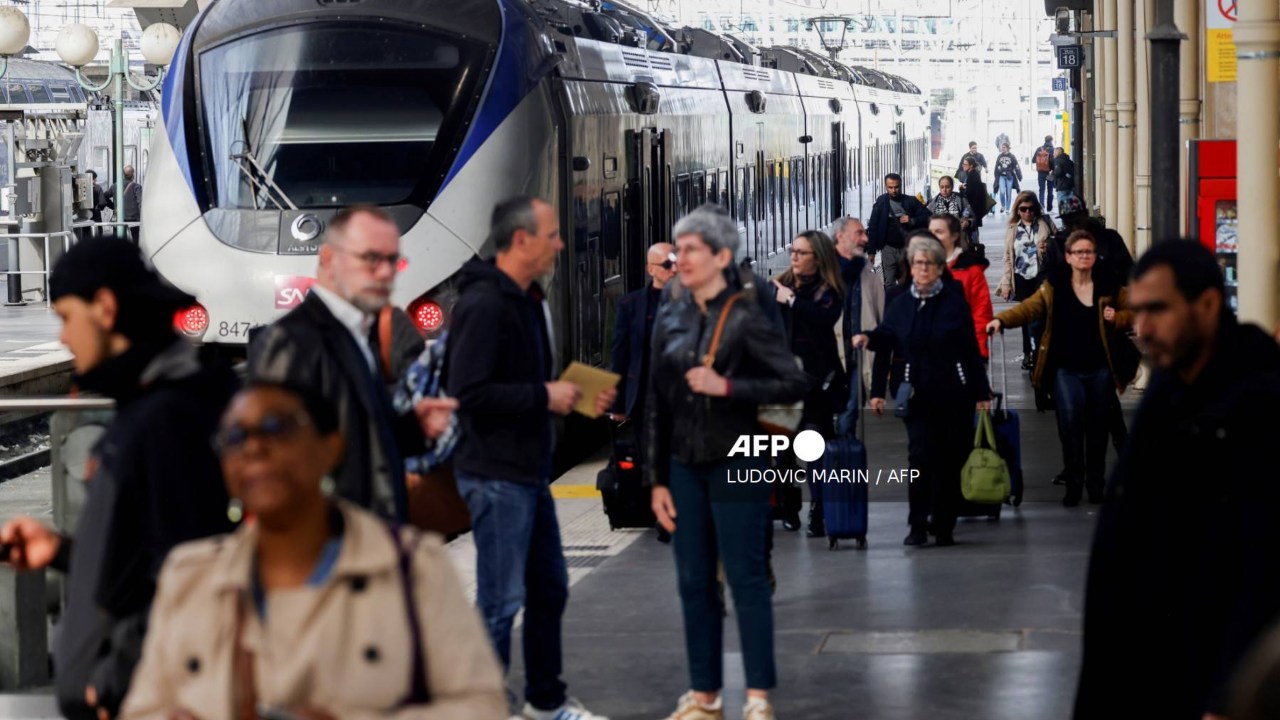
(922, 295)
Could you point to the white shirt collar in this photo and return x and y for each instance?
(355, 320)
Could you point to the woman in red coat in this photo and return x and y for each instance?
(969, 268)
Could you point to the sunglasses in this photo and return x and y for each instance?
(667, 264)
(273, 428)
(1026, 208)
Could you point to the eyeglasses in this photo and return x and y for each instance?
(276, 428)
(372, 260)
(796, 252)
(1026, 208)
(923, 263)
(1082, 253)
(667, 264)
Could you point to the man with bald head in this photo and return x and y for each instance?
(632, 328)
(330, 343)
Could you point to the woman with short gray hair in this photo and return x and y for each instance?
(938, 381)
(716, 357)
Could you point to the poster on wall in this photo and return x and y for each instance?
(1226, 225)
(1219, 45)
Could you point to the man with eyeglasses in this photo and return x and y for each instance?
(330, 342)
(893, 216)
(153, 479)
(629, 352)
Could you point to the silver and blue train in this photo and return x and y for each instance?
(275, 115)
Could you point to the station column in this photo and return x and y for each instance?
(1125, 108)
(1257, 38)
(1110, 138)
(1188, 13)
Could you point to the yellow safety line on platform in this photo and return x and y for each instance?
(574, 492)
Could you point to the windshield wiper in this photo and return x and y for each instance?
(253, 170)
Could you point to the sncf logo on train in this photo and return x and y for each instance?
(291, 289)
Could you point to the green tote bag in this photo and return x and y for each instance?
(985, 476)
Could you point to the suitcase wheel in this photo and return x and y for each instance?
(861, 541)
(833, 544)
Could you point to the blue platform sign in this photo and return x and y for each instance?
(1070, 57)
(1059, 84)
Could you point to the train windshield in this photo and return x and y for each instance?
(327, 115)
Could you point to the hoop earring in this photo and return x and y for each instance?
(328, 485)
(235, 510)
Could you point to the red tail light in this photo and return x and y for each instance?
(626, 465)
(192, 321)
(426, 315)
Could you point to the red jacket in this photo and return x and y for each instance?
(969, 269)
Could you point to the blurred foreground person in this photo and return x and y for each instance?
(1166, 623)
(716, 358)
(316, 608)
(153, 482)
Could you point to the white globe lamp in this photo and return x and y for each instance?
(77, 45)
(159, 41)
(15, 31)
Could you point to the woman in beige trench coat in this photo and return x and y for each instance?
(315, 607)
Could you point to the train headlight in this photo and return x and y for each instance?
(191, 321)
(427, 315)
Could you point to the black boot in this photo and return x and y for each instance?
(817, 527)
(1075, 490)
(917, 536)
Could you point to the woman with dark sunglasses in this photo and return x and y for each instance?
(1026, 243)
(315, 608)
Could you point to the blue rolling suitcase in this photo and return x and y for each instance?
(844, 500)
(1008, 433)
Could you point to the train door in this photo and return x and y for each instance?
(636, 200)
(588, 280)
(840, 150)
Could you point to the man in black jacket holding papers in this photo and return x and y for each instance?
(500, 366)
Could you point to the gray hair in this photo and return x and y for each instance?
(713, 224)
(509, 216)
(843, 223)
(929, 246)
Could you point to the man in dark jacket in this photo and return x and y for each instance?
(978, 158)
(1064, 177)
(1043, 160)
(1166, 623)
(501, 367)
(1113, 257)
(629, 352)
(329, 342)
(155, 480)
(892, 217)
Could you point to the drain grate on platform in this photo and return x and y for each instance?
(918, 642)
(584, 561)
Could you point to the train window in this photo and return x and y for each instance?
(610, 167)
(611, 235)
(699, 189)
(682, 195)
(131, 155)
(39, 94)
(59, 93)
(713, 187)
(335, 113)
(723, 197)
(101, 159)
(741, 196)
(770, 194)
(17, 93)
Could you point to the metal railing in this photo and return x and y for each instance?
(68, 237)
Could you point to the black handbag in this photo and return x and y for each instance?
(1125, 357)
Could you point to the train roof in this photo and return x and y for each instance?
(618, 23)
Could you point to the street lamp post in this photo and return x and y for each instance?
(15, 31)
(77, 45)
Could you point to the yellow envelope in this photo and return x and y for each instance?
(593, 381)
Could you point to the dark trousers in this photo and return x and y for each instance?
(717, 519)
(818, 415)
(520, 563)
(1084, 403)
(1045, 181)
(939, 440)
(1031, 333)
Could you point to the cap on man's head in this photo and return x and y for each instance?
(117, 265)
(1072, 205)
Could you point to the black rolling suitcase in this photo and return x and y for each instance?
(626, 499)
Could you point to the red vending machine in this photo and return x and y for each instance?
(1212, 205)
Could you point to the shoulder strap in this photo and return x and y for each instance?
(246, 691)
(418, 692)
(709, 359)
(384, 342)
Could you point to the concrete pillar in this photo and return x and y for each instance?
(1125, 110)
(1145, 20)
(1257, 36)
(1110, 91)
(1187, 14)
(1093, 118)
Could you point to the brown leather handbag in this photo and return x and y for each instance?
(433, 499)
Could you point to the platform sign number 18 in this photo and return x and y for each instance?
(1069, 57)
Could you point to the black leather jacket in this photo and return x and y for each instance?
(752, 354)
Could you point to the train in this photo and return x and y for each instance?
(276, 115)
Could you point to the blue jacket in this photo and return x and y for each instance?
(630, 347)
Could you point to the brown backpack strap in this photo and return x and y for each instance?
(384, 343)
(709, 359)
(246, 691)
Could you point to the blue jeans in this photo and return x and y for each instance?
(1084, 401)
(1044, 186)
(716, 519)
(1062, 196)
(1005, 183)
(520, 563)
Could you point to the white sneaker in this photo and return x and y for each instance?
(571, 710)
(757, 709)
(688, 708)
